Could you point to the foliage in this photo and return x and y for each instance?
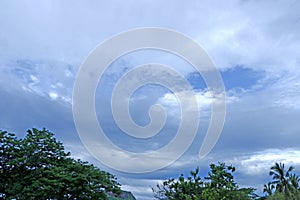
(281, 177)
(285, 184)
(187, 189)
(268, 188)
(37, 167)
(277, 196)
(218, 185)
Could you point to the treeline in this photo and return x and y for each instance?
(37, 167)
(219, 184)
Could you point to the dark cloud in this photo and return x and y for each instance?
(22, 110)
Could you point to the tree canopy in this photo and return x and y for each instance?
(218, 185)
(37, 167)
(284, 184)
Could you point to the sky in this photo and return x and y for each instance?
(255, 46)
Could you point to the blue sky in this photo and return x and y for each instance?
(254, 44)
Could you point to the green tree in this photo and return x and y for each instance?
(220, 176)
(185, 189)
(37, 167)
(285, 183)
(277, 196)
(268, 188)
(281, 177)
(294, 179)
(221, 184)
(218, 185)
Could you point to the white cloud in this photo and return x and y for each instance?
(286, 91)
(45, 78)
(259, 35)
(141, 188)
(204, 99)
(259, 163)
(34, 79)
(53, 95)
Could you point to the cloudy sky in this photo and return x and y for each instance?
(254, 44)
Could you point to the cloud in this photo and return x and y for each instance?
(258, 35)
(286, 91)
(252, 168)
(141, 188)
(260, 162)
(22, 110)
(50, 79)
(255, 44)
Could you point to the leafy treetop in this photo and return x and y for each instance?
(37, 167)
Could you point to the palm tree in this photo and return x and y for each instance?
(281, 177)
(295, 179)
(268, 188)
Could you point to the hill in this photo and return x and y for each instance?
(124, 196)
